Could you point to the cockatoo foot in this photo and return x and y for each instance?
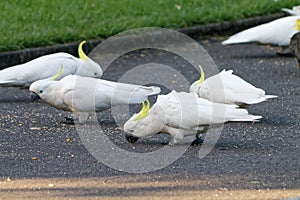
(244, 106)
(197, 141)
(284, 52)
(68, 120)
(171, 143)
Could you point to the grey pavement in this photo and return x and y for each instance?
(265, 155)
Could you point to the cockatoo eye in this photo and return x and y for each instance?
(95, 73)
(41, 91)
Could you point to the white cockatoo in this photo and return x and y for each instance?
(277, 32)
(294, 11)
(83, 95)
(228, 88)
(47, 66)
(182, 114)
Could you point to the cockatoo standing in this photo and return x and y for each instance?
(47, 66)
(277, 32)
(82, 95)
(182, 114)
(228, 88)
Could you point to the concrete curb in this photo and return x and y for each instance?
(15, 57)
(229, 27)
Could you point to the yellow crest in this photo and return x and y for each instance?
(297, 26)
(202, 77)
(144, 112)
(59, 73)
(81, 54)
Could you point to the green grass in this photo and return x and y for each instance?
(32, 23)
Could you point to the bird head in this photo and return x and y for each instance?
(88, 67)
(146, 123)
(39, 89)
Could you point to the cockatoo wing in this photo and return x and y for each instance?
(232, 90)
(187, 111)
(239, 91)
(41, 68)
(277, 32)
(89, 94)
(221, 113)
(78, 93)
(122, 93)
(180, 109)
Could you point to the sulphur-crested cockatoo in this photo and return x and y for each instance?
(277, 32)
(47, 66)
(294, 11)
(228, 88)
(182, 114)
(83, 95)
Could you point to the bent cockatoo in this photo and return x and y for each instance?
(228, 88)
(82, 95)
(182, 114)
(47, 66)
(294, 11)
(277, 32)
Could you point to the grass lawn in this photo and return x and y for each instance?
(32, 23)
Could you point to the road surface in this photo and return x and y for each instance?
(42, 158)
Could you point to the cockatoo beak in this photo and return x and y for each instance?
(131, 138)
(34, 96)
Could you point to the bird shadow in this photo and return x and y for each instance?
(15, 100)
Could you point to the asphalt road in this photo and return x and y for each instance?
(37, 148)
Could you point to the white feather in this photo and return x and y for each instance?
(182, 114)
(228, 88)
(294, 11)
(277, 32)
(47, 66)
(84, 94)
